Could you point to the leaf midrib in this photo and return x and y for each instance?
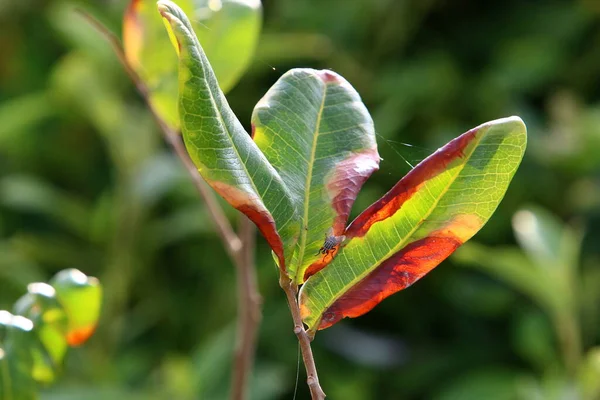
(311, 164)
(401, 244)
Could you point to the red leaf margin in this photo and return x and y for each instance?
(417, 258)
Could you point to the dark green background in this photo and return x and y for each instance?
(86, 182)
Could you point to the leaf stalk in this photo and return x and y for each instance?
(312, 379)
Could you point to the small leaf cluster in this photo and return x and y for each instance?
(44, 322)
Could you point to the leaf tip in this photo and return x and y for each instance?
(132, 33)
(329, 76)
(166, 9)
(514, 122)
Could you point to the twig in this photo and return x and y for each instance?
(569, 339)
(249, 313)
(312, 379)
(231, 240)
(241, 251)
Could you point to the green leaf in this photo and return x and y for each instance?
(550, 243)
(588, 374)
(33, 344)
(227, 29)
(433, 210)
(50, 325)
(546, 268)
(314, 129)
(511, 266)
(222, 150)
(23, 114)
(491, 383)
(25, 193)
(16, 362)
(81, 299)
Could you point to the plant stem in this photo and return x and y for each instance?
(291, 291)
(241, 251)
(249, 312)
(569, 338)
(232, 243)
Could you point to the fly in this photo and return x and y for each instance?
(331, 241)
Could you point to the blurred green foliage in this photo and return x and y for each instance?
(47, 320)
(229, 30)
(86, 182)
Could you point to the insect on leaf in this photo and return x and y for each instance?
(429, 213)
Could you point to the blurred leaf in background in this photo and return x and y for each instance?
(228, 30)
(47, 320)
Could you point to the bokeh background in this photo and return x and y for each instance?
(86, 182)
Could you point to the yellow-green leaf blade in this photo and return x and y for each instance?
(438, 206)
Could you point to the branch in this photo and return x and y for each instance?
(304, 339)
(241, 251)
(231, 240)
(249, 313)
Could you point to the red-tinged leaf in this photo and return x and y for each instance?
(81, 299)
(33, 344)
(77, 337)
(435, 208)
(314, 129)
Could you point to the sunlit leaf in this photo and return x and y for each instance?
(315, 130)
(588, 374)
(511, 266)
(222, 150)
(81, 298)
(227, 29)
(50, 325)
(33, 343)
(433, 210)
(547, 240)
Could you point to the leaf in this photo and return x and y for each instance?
(553, 245)
(25, 193)
(222, 150)
(33, 343)
(546, 268)
(50, 324)
(511, 266)
(16, 362)
(81, 298)
(228, 31)
(588, 373)
(314, 129)
(429, 213)
(490, 383)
